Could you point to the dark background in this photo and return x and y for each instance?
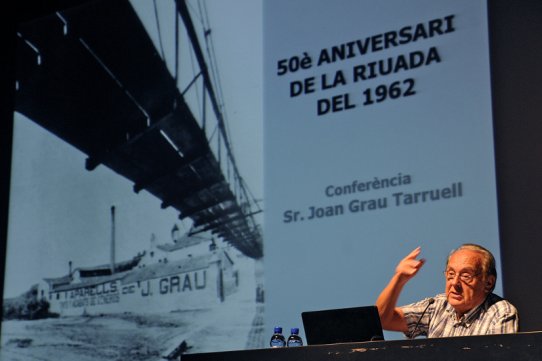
(515, 29)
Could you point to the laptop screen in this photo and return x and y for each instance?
(355, 324)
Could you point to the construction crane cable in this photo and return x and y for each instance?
(157, 19)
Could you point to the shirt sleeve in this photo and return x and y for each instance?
(506, 319)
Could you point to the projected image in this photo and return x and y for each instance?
(135, 217)
(380, 114)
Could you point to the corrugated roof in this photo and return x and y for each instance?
(163, 269)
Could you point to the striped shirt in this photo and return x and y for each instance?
(494, 316)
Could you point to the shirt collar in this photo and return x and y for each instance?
(468, 318)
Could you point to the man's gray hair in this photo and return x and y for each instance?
(488, 261)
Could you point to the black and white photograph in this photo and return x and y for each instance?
(135, 217)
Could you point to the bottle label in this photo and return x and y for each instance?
(294, 341)
(277, 341)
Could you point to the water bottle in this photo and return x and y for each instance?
(294, 339)
(277, 340)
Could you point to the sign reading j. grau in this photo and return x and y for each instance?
(111, 292)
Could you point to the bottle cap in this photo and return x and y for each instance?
(295, 330)
(278, 329)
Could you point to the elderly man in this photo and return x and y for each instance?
(468, 306)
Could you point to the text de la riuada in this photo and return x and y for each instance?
(392, 65)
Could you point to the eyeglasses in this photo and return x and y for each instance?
(465, 276)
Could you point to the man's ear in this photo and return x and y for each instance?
(490, 283)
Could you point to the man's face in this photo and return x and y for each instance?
(466, 286)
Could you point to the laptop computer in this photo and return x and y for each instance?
(354, 324)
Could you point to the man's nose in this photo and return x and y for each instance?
(456, 281)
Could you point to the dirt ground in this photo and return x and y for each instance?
(124, 337)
